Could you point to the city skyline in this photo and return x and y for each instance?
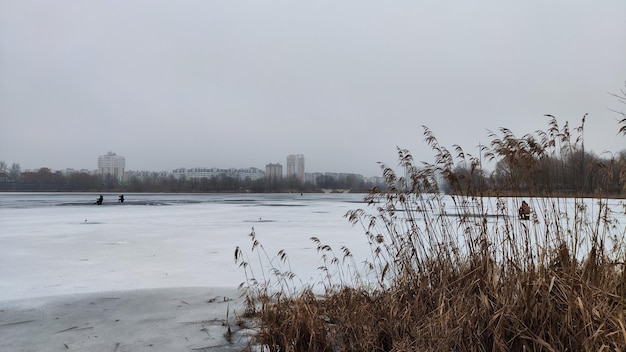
(114, 164)
(195, 83)
(98, 167)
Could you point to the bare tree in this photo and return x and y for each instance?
(15, 172)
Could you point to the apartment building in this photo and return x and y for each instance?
(274, 172)
(112, 164)
(295, 166)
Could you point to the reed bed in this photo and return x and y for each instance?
(478, 279)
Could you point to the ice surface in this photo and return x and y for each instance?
(63, 247)
(143, 275)
(174, 319)
(60, 243)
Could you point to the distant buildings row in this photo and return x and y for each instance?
(114, 165)
(295, 168)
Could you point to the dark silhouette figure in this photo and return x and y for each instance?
(99, 200)
(524, 211)
(121, 200)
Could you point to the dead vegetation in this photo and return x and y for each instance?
(476, 280)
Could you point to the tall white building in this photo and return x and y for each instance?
(112, 164)
(295, 166)
(274, 172)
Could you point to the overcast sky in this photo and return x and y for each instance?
(201, 83)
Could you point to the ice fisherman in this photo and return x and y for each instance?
(524, 211)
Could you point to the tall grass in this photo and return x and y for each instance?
(475, 279)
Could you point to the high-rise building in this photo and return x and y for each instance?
(274, 172)
(112, 164)
(295, 166)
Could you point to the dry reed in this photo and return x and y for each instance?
(475, 280)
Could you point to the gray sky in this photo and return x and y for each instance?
(189, 83)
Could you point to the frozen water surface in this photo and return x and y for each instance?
(60, 243)
(156, 273)
(57, 244)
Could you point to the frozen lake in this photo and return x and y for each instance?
(61, 243)
(158, 273)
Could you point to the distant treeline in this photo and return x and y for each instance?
(520, 170)
(577, 173)
(45, 180)
(545, 162)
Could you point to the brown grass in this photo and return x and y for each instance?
(476, 280)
